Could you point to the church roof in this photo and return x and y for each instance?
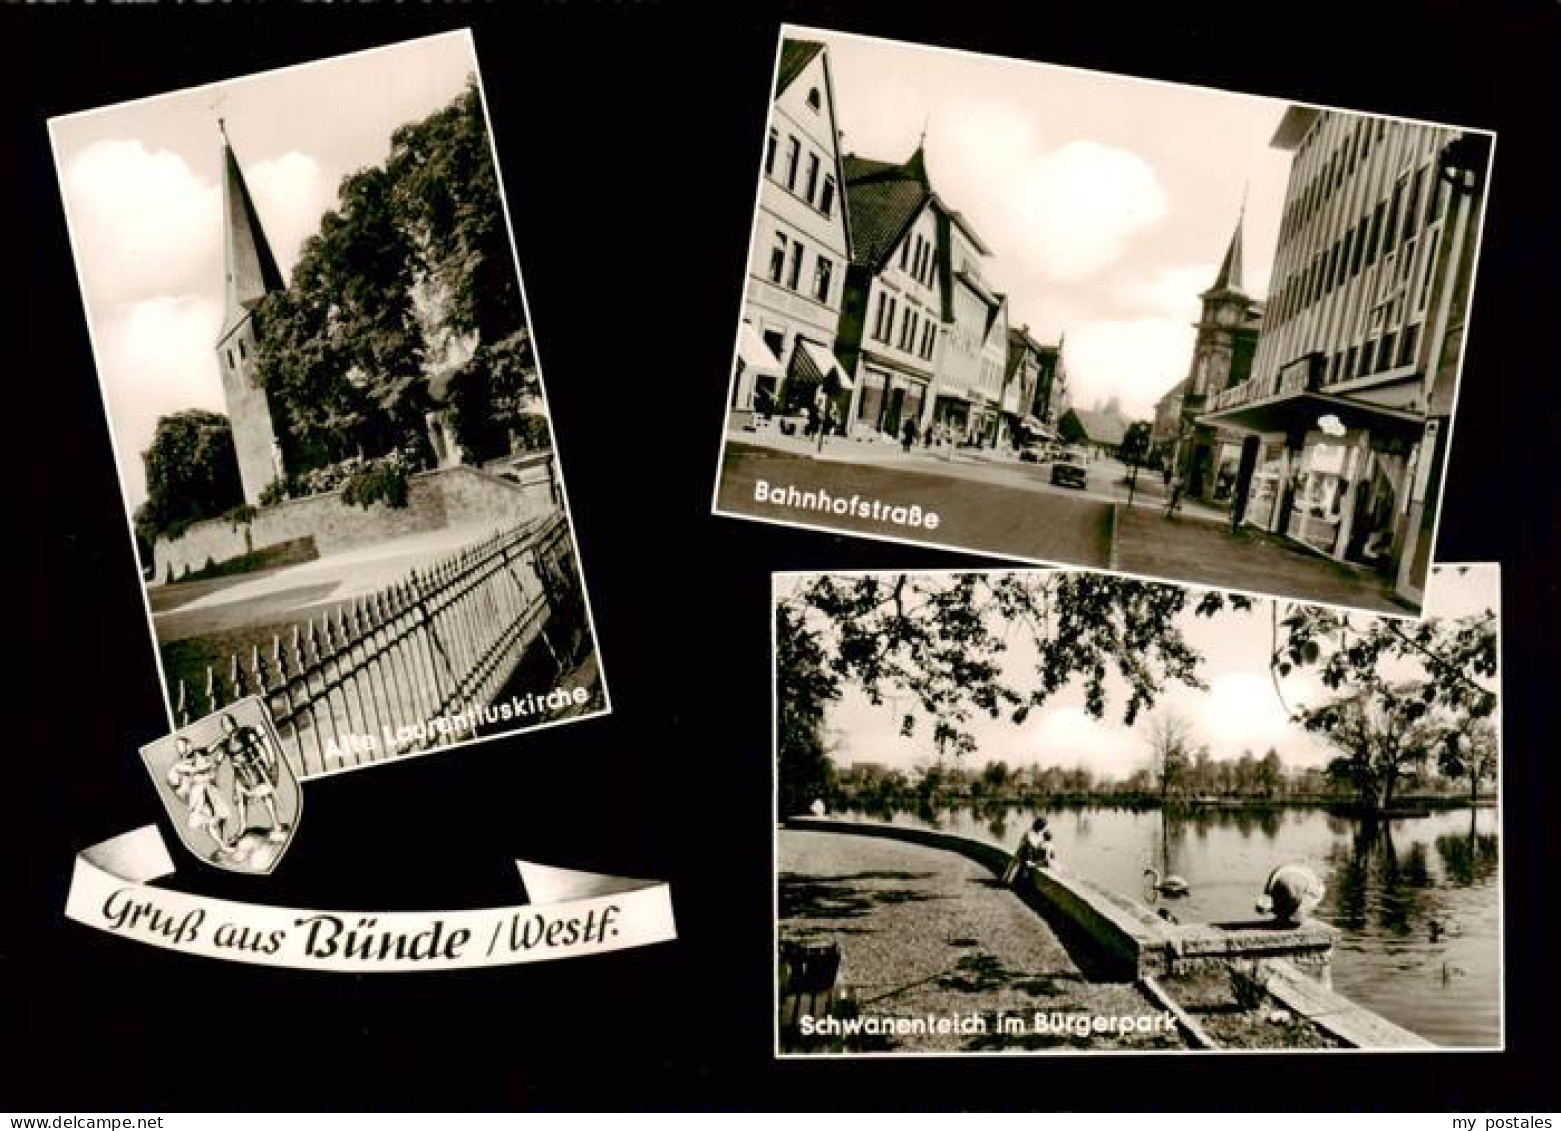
(249, 267)
(796, 54)
(1229, 277)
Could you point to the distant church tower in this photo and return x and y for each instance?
(251, 273)
(1221, 357)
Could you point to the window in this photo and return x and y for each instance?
(794, 276)
(813, 165)
(778, 258)
(1430, 265)
(888, 322)
(822, 270)
(878, 331)
(907, 329)
(793, 156)
(1376, 233)
(1406, 345)
(1385, 353)
(770, 147)
(928, 337)
(905, 255)
(932, 266)
(826, 199)
(815, 100)
(230, 359)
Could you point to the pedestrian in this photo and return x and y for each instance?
(908, 435)
(1175, 503)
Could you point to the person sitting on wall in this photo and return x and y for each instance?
(1035, 851)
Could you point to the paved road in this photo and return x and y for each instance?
(924, 932)
(1001, 509)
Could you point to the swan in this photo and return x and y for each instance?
(1170, 885)
(1290, 893)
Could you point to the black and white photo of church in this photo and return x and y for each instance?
(327, 412)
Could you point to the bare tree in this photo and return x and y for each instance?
(1170, 740)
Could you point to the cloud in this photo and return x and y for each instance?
(1077, 208)
(1168, 292)
(143, 222)
(1134, 360)
(291, 193)
(156, 357)
(1068, 736)
(1242, 712)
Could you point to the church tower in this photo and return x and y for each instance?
(1221, 357)
(250, 273)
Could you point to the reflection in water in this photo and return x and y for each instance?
(1415, 899)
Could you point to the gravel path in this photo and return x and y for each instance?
(928, 934)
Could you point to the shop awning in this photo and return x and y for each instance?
(1301, 411)
(755, 352)
(1031, 424)
(823, 363)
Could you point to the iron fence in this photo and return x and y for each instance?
(419, 663)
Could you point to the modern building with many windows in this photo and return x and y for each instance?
(801, 246)
(1346, 411)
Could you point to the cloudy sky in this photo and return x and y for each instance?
(1108, 202)
(1240, 710)
(143, 196)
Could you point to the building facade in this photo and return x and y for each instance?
(249, 273)
(892, 327)
(1346, 410)
(970, 386)
(800, 250)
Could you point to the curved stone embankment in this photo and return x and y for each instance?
(1118, 939)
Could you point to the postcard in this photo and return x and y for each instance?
(1065, 812)
(328, 417)
(1087, 319)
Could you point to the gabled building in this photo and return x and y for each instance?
(968, 399)
(1053, 397)
(800, 250)
(249, 273)
(1030, 378)
(1103, 428)
(1203, 456)
(891, 324)
(1348, 402)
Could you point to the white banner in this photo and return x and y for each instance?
(571, 914)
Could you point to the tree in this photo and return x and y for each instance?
(416, 253)
(1470, 753)
(191, 473)
(804, 769)
(1271, 774)
(942, 639)
(1171, 750)
(1383, 735)
(1071, 429)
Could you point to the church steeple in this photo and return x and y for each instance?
(1229, 278)
(249, 273)
(249, 267)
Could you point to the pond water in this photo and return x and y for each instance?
(1417, 899)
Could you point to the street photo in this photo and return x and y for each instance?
(327, 411)
(1054, 811)
(1085, 319)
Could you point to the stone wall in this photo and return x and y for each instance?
(451, 496)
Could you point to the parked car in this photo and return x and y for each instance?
(1070, 470)
(1035, 452)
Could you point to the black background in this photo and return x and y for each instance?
(629, 138)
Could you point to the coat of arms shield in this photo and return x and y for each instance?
(232, 795)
